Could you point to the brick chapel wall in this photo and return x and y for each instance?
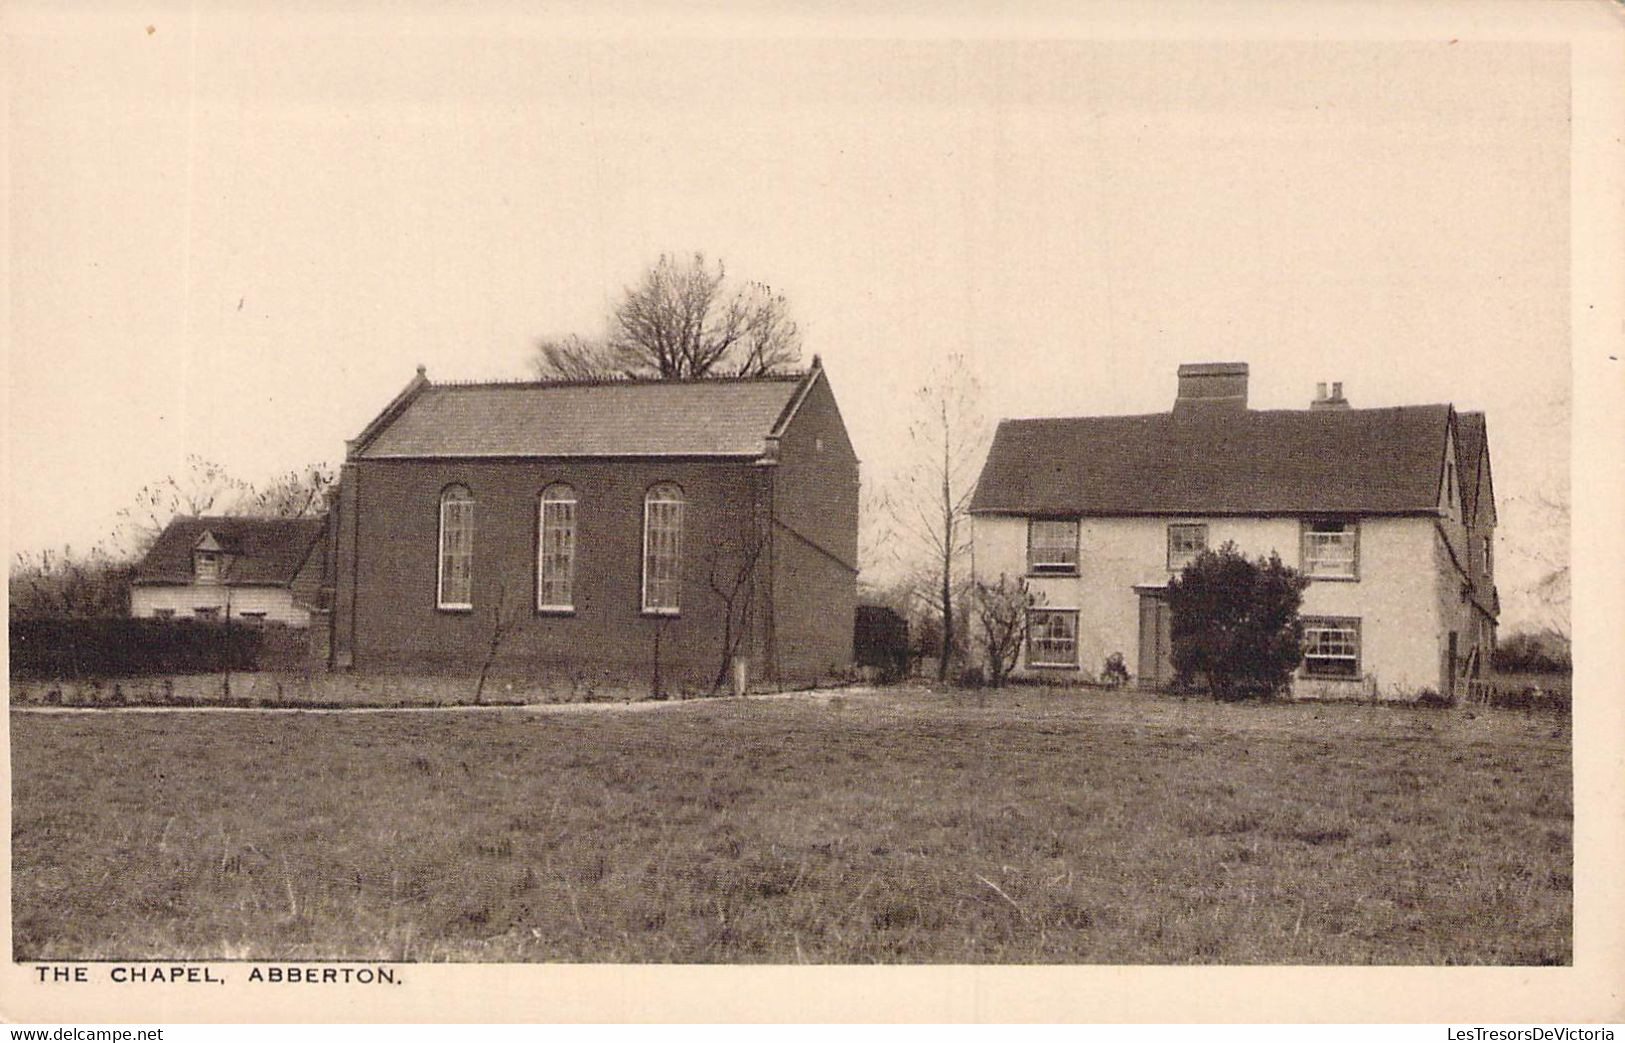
(816, 542)
(397, 626)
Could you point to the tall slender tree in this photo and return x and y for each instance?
(928, 503)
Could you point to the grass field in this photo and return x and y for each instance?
(899, 826)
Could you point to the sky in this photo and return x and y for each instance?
(236, 234)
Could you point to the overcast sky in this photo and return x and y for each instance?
(237, 236)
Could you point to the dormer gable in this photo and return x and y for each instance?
(211, 556)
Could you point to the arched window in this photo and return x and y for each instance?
(662, 548)
(455, 589)
(556, 549)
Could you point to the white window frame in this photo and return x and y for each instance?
(1317, 536)
(456, 498)
(1346, 646)
(662, 595)
(1177, 558)
(1034, 640)
(556, 515)
(1052, 557)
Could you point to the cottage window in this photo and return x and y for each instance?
(1331, 648)
(662, 548)
(455, 589)
(556, 555)
(1052, 637)
(253, 619)
(206, 613)
(206, 566)
(1185, 542)
(163, 613)
(1052, 546)
(1331, 549)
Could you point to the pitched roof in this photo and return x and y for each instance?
(263, 550)
(1372, 461)
(1470, 431)
(712, 417)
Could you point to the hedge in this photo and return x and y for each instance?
(85, 648)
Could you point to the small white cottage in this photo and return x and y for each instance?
(247, 570)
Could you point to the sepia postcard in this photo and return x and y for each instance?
(1080, 513)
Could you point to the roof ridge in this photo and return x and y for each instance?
(616, 381)
(1207, 418)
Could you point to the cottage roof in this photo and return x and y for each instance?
(1245, 462)
(711, 417)
(260, 551)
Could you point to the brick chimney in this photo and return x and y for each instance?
(1207, 387)
(1333, 401)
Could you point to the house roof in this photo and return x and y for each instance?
(263, 551)
(711, 417)
(1471, 434)
(1344, 461)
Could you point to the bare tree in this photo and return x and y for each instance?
(735, 586)
(62, 583)
(504, 617)
(295, 494)
(683, 321)
(1543, 551)
(573, 358)
(1001, 609)
(928, 503)
(203, 486)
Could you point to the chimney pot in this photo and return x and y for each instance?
(1320, 391)
(1337, 389)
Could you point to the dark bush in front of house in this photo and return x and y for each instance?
(1235, 623)
(86, 648)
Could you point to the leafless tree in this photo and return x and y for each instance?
(735, 586)
(203, 486)
(1001, 609)
(573, 358)
(1544, 550)
(928, 502)
(505, 615)
(294, 494)
(682, 321)
(63, 583)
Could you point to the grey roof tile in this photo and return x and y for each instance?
(727, 417)
(1243, 462)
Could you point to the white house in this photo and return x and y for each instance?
(1389, 511)
(248, 570)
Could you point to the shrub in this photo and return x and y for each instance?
(1235, 623)
(1001, 612)
(1115, 673)
(1529, 653)
(86, 648)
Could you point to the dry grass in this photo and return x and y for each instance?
(1027, 827)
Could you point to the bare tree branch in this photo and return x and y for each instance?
(681, 322)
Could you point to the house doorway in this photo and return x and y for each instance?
(1156, 666)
